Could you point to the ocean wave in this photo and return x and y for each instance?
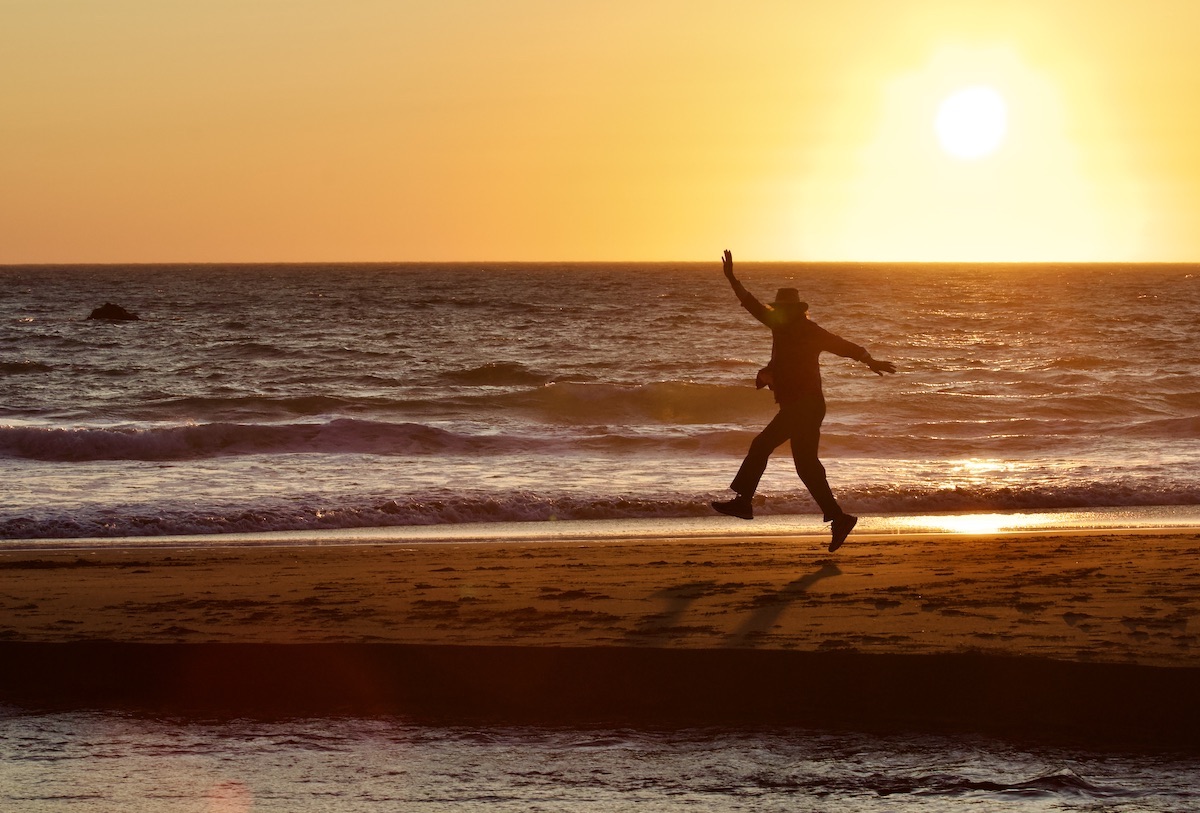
(1165, 428)
(485, 393)
(437, 509)
(254, 350)
(449, 508)
(340, 436)
(497, 374)
(1053, 786)
(23, 367)
(343, 436)
(1073, 363)
(667, 402)
(213, 408)
(686, 437)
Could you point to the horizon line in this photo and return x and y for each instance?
(715, 260)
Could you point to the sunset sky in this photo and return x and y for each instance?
(312, 130)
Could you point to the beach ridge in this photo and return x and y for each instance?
(1115, 705)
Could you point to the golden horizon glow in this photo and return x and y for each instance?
(1029, 202)
(141, 131)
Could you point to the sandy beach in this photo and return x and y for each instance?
(1087, 633)
(1103, 596)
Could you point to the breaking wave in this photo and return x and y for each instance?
(220, 439)
(315, 513)
(672, 428)
(341, 436)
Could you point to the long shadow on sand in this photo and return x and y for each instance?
(665, 626)
(769, 606)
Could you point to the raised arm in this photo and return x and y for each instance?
(757, 309)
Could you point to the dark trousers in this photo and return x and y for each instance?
(799, 422)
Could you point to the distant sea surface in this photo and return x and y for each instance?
(254, 398)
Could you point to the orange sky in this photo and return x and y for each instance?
(277, 130)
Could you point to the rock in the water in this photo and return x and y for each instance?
(111, 311)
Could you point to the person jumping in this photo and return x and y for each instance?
(794, 375)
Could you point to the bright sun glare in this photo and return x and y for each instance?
(971, 122)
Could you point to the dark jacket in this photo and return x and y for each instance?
(796, 347)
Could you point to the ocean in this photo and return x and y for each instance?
(325, 402)
(325, 397)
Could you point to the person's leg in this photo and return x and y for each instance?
(752, 468)
(755, 463)
(806, 438)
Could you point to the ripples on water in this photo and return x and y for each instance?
(86, 761)
(260, 398)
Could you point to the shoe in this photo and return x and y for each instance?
(739, 507)
(842, 526)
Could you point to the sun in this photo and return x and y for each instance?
(971, 123)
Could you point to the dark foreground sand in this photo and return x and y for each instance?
(1062, 634)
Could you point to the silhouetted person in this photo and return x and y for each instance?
(794, 374)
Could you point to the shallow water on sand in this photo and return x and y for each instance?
(1139, 519)
(103, 761)
(108, 762)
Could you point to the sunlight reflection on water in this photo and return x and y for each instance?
(977, 523)
(606, 530)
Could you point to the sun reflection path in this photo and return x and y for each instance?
(975, 471)
(975, 523)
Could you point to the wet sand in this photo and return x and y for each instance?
(1125, 597)
(1091, 632)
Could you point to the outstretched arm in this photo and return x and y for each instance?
(757, 309)
(836, 344)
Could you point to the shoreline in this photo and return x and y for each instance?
(1150, 519)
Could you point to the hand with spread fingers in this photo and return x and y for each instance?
(880, 367)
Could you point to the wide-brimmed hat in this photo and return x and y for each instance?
(789, 296)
